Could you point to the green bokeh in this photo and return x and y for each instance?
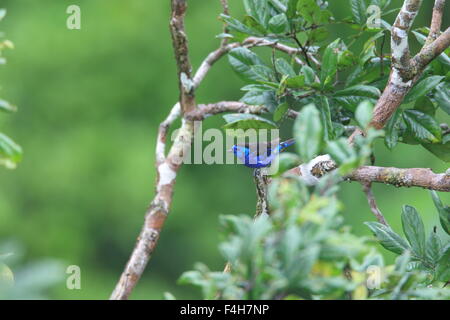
(90, 102)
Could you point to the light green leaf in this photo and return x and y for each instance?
(308, 133)
(280, 111)
(246, 121)
(258, 9)
(279, 23)
(364, 113)
(6, 106)
(10, 152)
(414, 230)
(329, 62)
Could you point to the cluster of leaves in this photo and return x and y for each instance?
(304, 252)
(30, 281)
(10, 152)
(332, 77)
(430, 254)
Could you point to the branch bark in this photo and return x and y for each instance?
(405, 70)
(167, 167)
(367, 187)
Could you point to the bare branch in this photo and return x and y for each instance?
(167, 167)
(373, 205)
(431, 51)
(261, 183)
(436, 21)
(225, 11)
(180, 46)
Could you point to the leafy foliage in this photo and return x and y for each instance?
(10, 152)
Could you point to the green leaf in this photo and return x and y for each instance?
(359, 11)
(442, 96)
(444, 212)
(308, 133)
(363, 114)
(6, 106)
(309, 10)
(242, 60)
(325, 116)
(280, 111)
(287, 161)
(359, 91)
(440, 150)
(424, 128)
(10, 152)
(258, 9)
(279, 23)
(291, 11)
(422, 88)
(433, 248)
(414, 230)
(284, 68)
(392, 130)
(310, 75)
(246, 121)
(351, 97)
(443, 267)
(236, 25)
(296, 82)
(329, 62)
(388, 238)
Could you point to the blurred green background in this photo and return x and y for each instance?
(90, 101)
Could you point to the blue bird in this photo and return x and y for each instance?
(260, 155)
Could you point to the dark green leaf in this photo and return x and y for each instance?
(388, 238)
(236, 25)
(422, 88)
(325, 116)
(442, 96)
(440, 150)
(296, 82)
(414, 230)
(424, 128)
(242, 60)
(444, 212)
(392, 130)
(433, 248)
(359, 11)
(443, 267)
(308, 133)
(310, 75)
(284, 67)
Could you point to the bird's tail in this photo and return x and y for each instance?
(287, 143)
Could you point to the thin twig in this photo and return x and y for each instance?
(372, 203)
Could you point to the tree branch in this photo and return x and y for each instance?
(167, 167)
(436, 21)
(373, 204)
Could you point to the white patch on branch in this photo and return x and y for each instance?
(166, 174)
(306, 169)
(398, 82)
